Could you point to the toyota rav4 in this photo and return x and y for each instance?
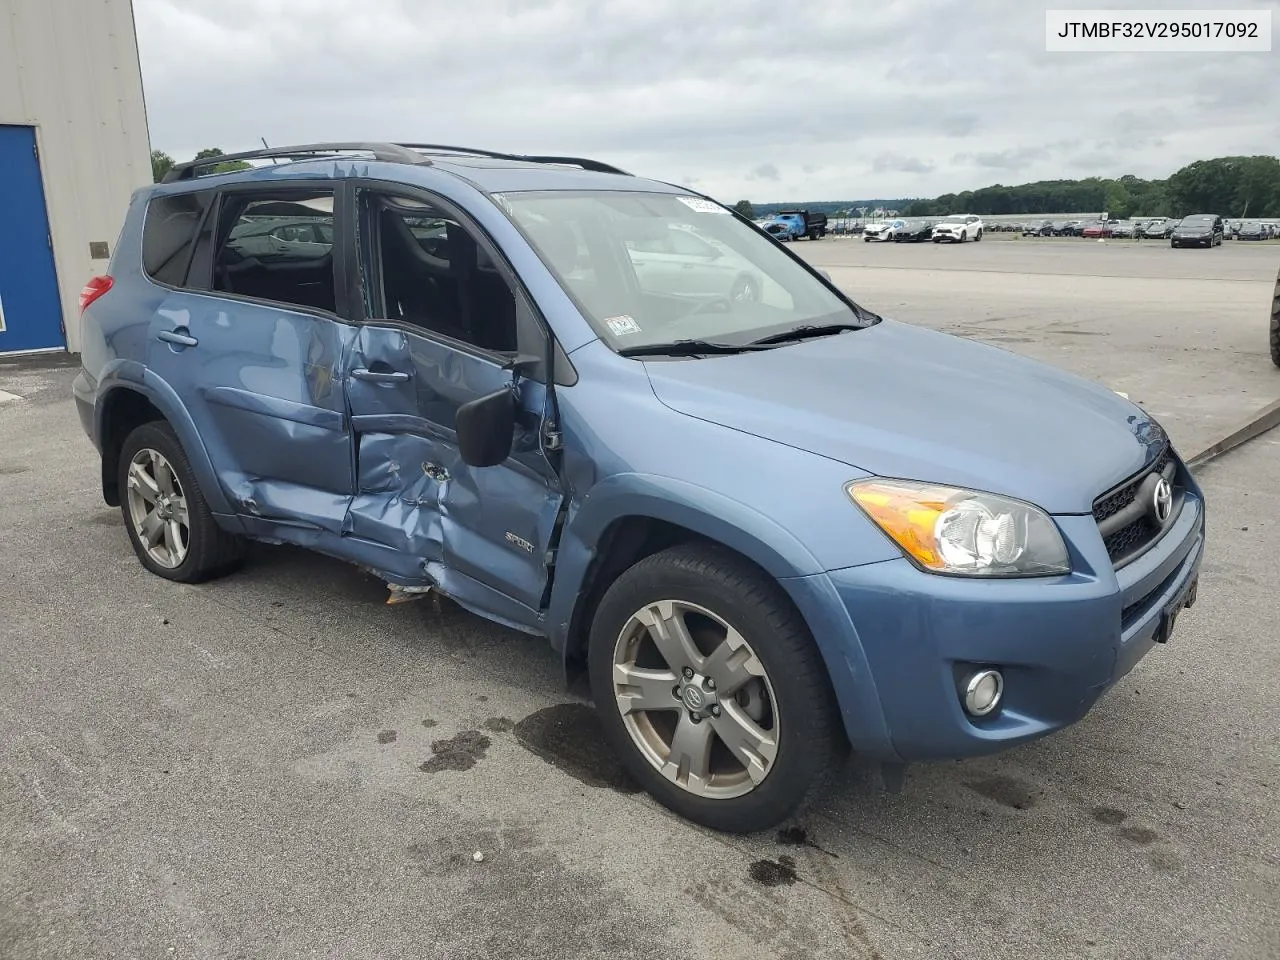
(773, 526)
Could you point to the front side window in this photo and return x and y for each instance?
(429, 271)
(273, 247)
(652, 268)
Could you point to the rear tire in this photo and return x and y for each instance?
(978, 237)
(674, 622)
(165, 515)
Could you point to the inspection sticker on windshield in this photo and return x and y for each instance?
(702, 206)
(621, 326)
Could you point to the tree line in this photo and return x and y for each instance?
(1236, 187)
(162, 163)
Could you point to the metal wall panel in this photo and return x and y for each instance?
(70, 69)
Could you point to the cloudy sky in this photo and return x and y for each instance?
(763, 99)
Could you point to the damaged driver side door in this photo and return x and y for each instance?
(443, 324)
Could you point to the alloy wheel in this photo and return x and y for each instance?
(158, 508)
(695, 699)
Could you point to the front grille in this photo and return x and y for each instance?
(1126, 541)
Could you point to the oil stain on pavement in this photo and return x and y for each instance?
(774, 873)
(457, 753)
(1108, 815)
(568, 736)
(1004, 790)
(523, 896)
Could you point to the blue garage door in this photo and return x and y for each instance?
(30, 311)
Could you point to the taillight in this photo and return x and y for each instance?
(93, 290)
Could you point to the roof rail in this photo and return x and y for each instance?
(595, 166)
(391, 152)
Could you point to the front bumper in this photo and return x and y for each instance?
(1060, 642)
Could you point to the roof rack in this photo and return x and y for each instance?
(391, 152)
(388, 152)
(594, 166)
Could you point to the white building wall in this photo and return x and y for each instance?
(70, 69)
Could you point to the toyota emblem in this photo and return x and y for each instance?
(1162, 501)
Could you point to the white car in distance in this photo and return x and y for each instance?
(958, 228)
(881, 231)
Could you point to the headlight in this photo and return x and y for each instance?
(964, 532)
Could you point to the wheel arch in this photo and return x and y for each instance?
(130, 395)
(614, 529)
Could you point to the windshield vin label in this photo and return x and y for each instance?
(623, 325)
(699, 205)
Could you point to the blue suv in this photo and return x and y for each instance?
(610, 412)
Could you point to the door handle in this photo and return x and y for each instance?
(378, 376)
(177, 336)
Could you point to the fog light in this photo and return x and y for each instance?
(982, 692)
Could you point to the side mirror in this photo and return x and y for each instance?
(486, 428)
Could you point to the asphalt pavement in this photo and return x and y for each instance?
(280, 765)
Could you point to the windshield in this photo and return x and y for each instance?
(955, 218)
(654, 268)
(1199, 218)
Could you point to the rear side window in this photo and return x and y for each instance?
(277, 247)
(168, 234)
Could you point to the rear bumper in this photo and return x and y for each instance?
(85, 391)
(1060, 642)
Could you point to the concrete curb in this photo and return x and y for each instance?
(1263, 420)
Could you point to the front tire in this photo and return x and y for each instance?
(168, 521)
(1275, 325)
(978, 237)
(711, 690)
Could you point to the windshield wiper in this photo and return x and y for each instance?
(687, 348)
(804, 332)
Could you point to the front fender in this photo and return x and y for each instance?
(750, 533)
(131, 375)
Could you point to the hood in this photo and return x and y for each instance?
(902, 401)
(949, 226)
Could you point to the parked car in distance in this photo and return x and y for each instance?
(958, 228)
(516, 420)
(282, 236)
(877, 231)
(1097, 231)
(680, 262)
(1124, 230)
(1251, 230)
(1042, 229)
(1160, 228)
(913, 230)
(1197, 230)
